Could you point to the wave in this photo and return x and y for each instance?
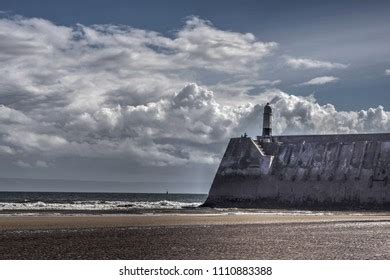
(98, 205)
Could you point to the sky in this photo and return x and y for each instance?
(152, 91)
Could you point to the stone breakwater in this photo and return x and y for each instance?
(313, 171)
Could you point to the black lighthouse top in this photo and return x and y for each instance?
(267, 121)
(267, 109)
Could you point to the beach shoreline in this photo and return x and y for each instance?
(196, 236)
(176, 218)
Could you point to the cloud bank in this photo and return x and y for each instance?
(115, 92)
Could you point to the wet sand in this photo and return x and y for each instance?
(191, 236)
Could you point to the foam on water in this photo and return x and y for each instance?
(97, 205)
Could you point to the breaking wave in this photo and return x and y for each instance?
(97, 205)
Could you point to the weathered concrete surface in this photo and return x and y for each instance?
(323, 172)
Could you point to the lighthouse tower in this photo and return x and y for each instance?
(267, 120)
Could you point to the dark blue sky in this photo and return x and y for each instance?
(267, 18)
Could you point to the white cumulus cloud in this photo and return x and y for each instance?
(321, 80)
(297, 114)
(306, 63)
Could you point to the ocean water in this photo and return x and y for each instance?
(57, 201)
(26, 203)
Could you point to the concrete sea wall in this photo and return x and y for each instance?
(316, 171)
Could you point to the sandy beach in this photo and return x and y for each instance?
(197, 236)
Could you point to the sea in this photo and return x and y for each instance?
(22, 202)
(99, 203)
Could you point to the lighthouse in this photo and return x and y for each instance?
(267, 120)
